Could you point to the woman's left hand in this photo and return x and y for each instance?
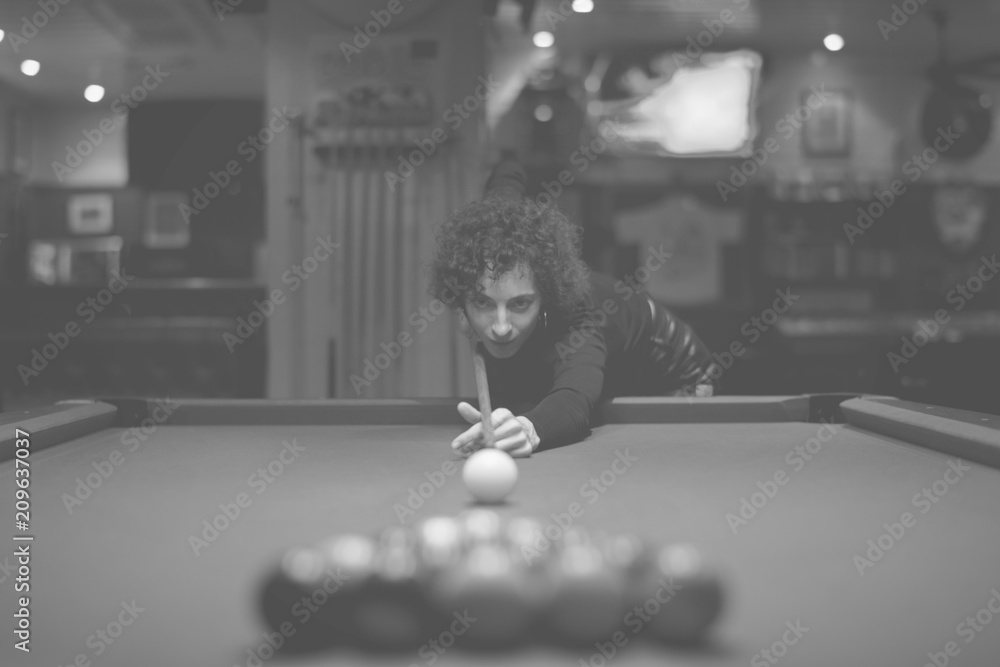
(514, 435)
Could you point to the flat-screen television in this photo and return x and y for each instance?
(668, 103)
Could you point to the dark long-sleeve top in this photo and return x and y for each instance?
(566, 368)
(605, 349)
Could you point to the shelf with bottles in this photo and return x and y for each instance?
(830, 185)
(807, 243)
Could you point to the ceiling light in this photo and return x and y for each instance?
(94, 93)
(30, 67)
(544, 39)
(833, 42)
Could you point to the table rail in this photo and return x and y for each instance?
(54, 425)
(968, 435)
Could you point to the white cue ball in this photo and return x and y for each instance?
(490, 474)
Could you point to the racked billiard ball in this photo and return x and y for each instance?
(488, 585)
(288, 597)
(390, 613)
(693, 590)
(587, 597)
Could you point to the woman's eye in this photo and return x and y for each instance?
(520, 306)
(481, 304)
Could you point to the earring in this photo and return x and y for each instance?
(545, 319)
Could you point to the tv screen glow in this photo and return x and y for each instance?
(672, 105)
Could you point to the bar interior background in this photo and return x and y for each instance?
(221, 199)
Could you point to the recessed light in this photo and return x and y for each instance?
(833, 42)
(583, 6)
(544, 39)
(94, 93)
(30, 67)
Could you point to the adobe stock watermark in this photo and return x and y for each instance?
(102, 639)
(968, 629)
(797, 458)
(924, 501)
(416, 497)
(915, 168)
(420, 320)
(381, 18)
(88, 309)
(927, 330)
(628, 286)
(786, 126)
(433, 649)
(704, 39)
(259, 481)
(249, 149)
(636, 619)
(899, 17)
(581, 159)
(697, 44)
(294, 278)
(93, 137)
(562, 12)
(753, 329)
(779, 648)
(305, 609)
(31, 25)
(105, 467)
(454, 116)
(592, 490)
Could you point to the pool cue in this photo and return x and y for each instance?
(483, 389)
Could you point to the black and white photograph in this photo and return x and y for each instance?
(556, 333)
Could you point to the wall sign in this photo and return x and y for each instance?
(90, 213)
(827, 132)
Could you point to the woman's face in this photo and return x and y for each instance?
(504, 313)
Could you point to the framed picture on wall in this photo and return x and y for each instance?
(165, 225)
(91, 213)
(828, 130)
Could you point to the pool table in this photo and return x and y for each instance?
(849, 530)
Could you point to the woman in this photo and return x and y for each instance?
(558, 338)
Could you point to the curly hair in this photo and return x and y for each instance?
(490, 237)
